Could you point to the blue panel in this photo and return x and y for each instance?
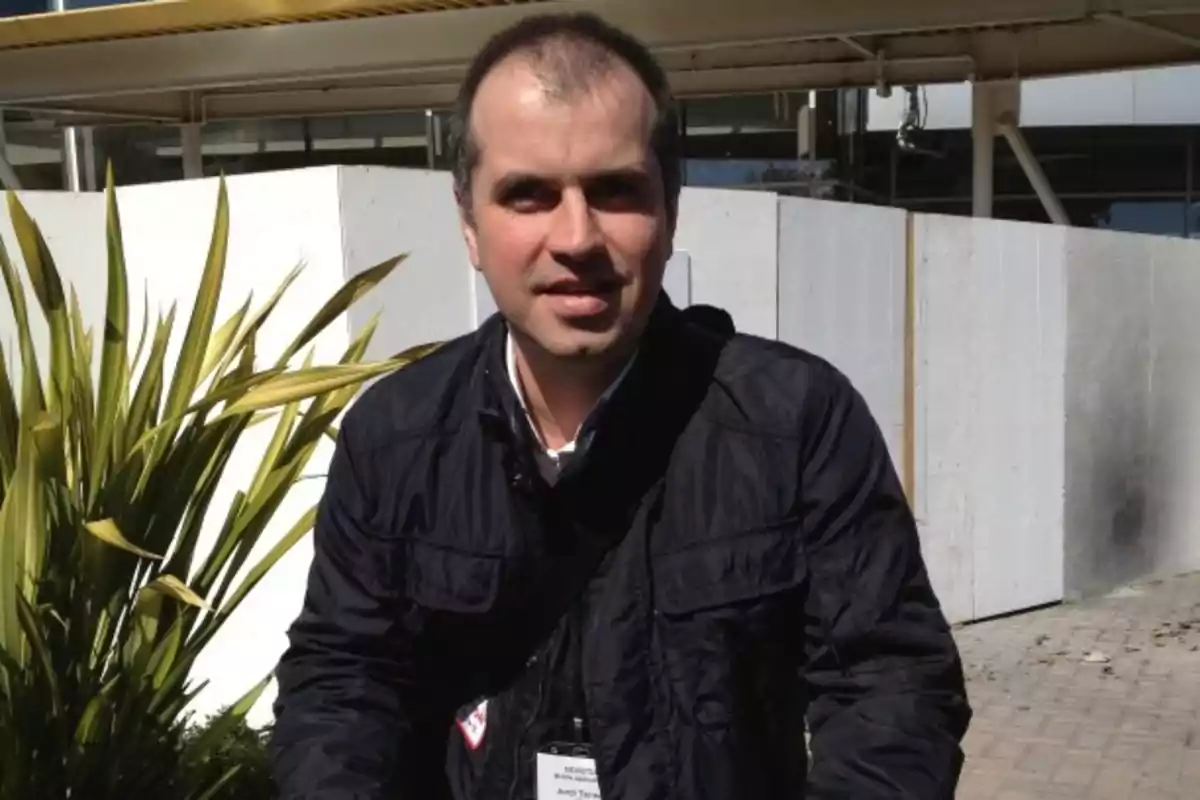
(16, 8)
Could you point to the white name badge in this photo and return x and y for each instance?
(566, 777)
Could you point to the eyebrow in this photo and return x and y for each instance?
(514, 179)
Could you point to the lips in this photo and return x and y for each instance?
(576, 288)
(581, 299)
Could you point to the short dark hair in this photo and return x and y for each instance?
(570, 51)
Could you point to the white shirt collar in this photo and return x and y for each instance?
(552, 460)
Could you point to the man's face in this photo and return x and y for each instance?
(567, 221)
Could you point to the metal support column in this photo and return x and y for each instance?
(1033, 170)
(983, 136)
(70, 144)
(989, 103)
(8, 176)
(191, 148)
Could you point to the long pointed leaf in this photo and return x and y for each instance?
(106, 530)
(264, 565)
(351, 291)
(246, 338)
(222, 341)
(114, 352)
(47, 287)
(9, 425)
(31, 382)
(200, 325)
(303, 384)
(41, 653)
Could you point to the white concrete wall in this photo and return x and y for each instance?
(386, 212)
(73, 225)
(731, 240)
(1055, 369)
(842, 295)
(990, 328)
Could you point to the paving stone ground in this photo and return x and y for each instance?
(1098, 700)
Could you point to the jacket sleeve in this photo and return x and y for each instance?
(888, 703)
(349, 725)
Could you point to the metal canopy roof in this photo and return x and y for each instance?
(201, 60)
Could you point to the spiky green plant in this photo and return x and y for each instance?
(107, 475)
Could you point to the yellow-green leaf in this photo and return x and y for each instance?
(259, 570)
(114, 351)
(351, 291)
(199, 329)
(106, 530)
(223, 340)
(245, 340)
(47, 287)
(303, 384)
(171, 586)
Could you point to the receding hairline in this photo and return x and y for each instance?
(565, 82)
(567, 69)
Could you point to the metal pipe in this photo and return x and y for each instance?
(70, 146)
(1033, 170)
(191, 149)
(983, 163)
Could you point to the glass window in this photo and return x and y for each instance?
(34, 149)
(16, 8)
(145, 154)
(750, 142)
(1165, 218)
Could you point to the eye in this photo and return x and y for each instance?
(619, 193)
(529, 196)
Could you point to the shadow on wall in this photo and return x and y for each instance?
(1129, 388)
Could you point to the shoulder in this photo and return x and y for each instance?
(778, 389)
(415, 399)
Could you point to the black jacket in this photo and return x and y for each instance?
(735, 551)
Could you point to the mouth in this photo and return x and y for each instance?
(575, 298)
(574, 288)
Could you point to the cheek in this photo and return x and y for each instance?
(508, 246)
(638, 240)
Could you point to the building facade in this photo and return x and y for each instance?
(1119, 149)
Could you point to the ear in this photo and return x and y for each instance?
(470, 236)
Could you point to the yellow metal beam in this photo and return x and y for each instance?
(161, 17)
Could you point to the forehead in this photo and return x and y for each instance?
(519, 122)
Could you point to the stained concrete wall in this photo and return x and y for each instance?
(1132, 416)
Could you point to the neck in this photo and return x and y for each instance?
(561, 392)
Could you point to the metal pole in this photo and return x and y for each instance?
(430, 152)
(983, 133)
(8, 176)
(190, 143)
(1033, 171)
(90, 173)
(1189, 187)
(71, 176)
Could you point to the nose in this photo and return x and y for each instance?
(574, 233)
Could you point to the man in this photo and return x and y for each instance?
(602, 546)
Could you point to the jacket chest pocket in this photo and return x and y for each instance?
(441, 579)
(729, 617)
(453, 614)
